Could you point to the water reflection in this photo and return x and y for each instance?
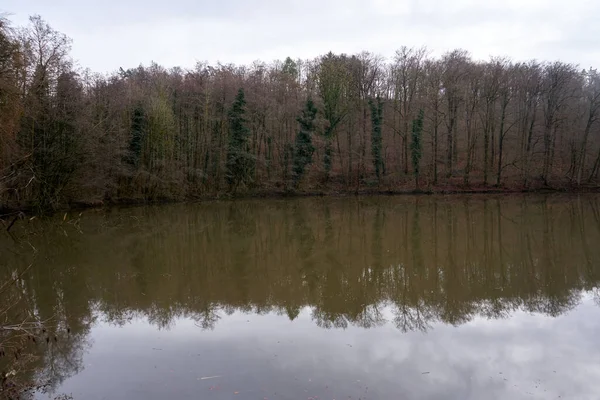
(415, 264)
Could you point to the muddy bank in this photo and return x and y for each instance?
(8, 213)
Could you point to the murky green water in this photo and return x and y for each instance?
(370, 298)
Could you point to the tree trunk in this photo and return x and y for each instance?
(363, 144)
(486, 151)
(582, 150)
(552, 152)
(339, 150)
(501, 142)
(547, 146)
(493, 144)
(596, 168)
(450, 143)
(349, 140)
(469, 152)
(528, 150)
(435, 148)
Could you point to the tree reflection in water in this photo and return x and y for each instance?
(364, 262)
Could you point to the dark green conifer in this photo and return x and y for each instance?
(240, 163)
(303, 149)
(415, 146)
(138, 132)
(376, 136)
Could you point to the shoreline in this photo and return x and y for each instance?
(11, 212)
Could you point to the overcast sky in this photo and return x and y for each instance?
(109, 34)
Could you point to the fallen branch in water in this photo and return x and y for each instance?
(6, 285)
(13, 222)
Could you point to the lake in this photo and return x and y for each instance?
(407, 297)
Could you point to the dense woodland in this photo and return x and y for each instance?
(337, 123)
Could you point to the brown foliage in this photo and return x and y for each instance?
(148, 133)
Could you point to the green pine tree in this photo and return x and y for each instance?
(240, 163)
(303, 149)
(376, 136)
(290, 68)
(138, 133)
(416, 147)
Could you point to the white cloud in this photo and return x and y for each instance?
(116, 33)
(522, 357)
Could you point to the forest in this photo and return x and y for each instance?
(338, 123)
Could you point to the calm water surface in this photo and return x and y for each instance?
(353, 298)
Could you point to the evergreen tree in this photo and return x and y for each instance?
(304, 148)
(290, 67)
(415, 146)
(376, 137)
(138, 133)
(240, 163)
(288, 158)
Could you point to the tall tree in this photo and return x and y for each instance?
(490, 88)
(557, 90)
(240, 163)
(416, 149)
(376, 138)
(333, 81)
(407, 73)
(304, 148)
(433, 101)
(11, 64)
(529, 98)
(591, 93)
(506, 92)
(364, 72)
(138, 135)
(472, 100)
(42, 132)
(454, 71)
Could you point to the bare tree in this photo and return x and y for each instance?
(150, 133)
(557, 90)
(407, 74)
(455, 64)
(591, 92)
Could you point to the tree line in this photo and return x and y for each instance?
(337, 122)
